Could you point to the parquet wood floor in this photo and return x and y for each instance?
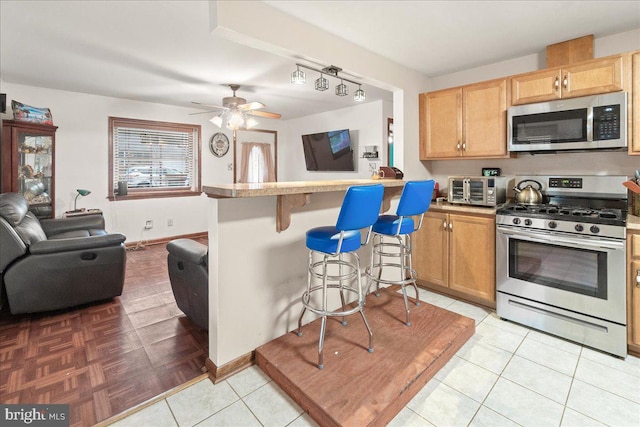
(107, 357)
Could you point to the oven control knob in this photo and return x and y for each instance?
(579, 227)
(516, 221)
(594, 229)
(553, 224)
(527, 222)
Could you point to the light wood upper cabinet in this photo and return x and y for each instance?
(536, 86)
(441, 123)
(464, 122)
(484, 119)
(587, 78)
(455, 254)
(634, 123)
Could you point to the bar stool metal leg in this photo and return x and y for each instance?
(335, 272)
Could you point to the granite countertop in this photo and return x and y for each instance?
(292, 187)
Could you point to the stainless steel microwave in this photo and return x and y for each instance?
(477, 190)
(586, 123)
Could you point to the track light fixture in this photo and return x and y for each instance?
(342, 89)
(359, 96)
(322, 84)
(298, 77)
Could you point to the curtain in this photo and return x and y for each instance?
(256, 163)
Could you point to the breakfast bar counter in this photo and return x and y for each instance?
(296, 193)
(257, 271)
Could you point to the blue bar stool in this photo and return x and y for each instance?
(360, 209)
(414, 201)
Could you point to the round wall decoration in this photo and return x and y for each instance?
(219, 144)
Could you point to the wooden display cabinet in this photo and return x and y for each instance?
(455, 254)
(465, 122)
(28, 164)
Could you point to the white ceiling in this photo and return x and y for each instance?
(163, 51)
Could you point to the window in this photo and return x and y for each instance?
(155, 159)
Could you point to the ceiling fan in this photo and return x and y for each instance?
(236, 110)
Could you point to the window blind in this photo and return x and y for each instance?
(154, 156)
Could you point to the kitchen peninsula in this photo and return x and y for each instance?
(258, 259)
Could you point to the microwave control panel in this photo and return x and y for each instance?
(606, 122)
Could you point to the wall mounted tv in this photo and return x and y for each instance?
(328, 151)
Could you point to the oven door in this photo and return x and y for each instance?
(576, 273)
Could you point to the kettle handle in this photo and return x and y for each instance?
(519, 186)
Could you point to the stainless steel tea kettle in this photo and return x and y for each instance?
(528, 195)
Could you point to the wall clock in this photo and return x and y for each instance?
(219, 144)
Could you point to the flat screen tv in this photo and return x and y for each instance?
(328, 151)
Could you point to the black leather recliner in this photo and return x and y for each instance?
(189, 276)
(52, 264)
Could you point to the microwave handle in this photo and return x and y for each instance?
(590, 124)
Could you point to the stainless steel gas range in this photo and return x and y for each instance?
(560, 265)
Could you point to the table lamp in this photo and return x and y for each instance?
(80, 193)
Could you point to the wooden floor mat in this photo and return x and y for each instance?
(358, 388)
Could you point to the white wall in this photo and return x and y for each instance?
(367, 126)
(81, 160)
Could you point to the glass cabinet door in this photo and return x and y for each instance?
(35, 171)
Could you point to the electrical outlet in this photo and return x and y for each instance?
(148, 225)
(170, 222)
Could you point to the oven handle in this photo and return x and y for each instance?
(555, 238)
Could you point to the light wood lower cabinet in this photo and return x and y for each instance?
(633, 293)
(455, 254)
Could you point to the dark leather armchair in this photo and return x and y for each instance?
(52, 264)
(189, 276)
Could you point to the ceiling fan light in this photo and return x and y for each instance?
(359, 96)
(322, 83)
(236, 120)
(298, 77)
(217, 120)
(342, 89)
(251, 122)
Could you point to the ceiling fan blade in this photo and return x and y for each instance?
(209, 105)
(204, 112)
(264, 114)
(251, 106)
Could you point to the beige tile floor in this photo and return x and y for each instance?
(505, 375)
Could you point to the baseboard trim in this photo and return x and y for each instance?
(221, 373)
(163, 240)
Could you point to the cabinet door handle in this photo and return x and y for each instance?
(638, 279)
(565, 81)
(458, 146)
(556, 84)
(464, 146)
(450, 226)
(444, 225)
